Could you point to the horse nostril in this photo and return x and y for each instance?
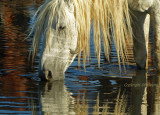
(61, 27)
(48, 75)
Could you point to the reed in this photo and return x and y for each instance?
(105, 109)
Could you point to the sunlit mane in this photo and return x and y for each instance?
(109, 17)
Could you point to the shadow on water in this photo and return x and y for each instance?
(97, 91)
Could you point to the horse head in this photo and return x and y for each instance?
(56, 25)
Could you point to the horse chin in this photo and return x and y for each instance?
(52, 71)
(51, 76)
(53, 67)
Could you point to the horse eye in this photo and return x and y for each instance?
(61, 28)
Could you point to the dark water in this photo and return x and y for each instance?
(97, 91)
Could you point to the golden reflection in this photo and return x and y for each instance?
(15, 21)
(105, 109)
(14, 53)
(124, 103)
(81, 107)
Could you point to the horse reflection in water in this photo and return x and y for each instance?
(139, 93)
(65, 26)
(56, 100)
(145, 94)
(155, 94)
(133, 91)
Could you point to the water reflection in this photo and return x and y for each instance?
(139, 93)
(154, 95)
(56, 100)
(138, 96)
(14, 47)
(15, 91)
(14, 50)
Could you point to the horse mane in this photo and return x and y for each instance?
(109, 17)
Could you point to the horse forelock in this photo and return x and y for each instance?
(44, 22)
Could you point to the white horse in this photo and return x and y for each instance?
(65, 26)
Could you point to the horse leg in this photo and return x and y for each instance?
(139, 22)
(155, 18)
